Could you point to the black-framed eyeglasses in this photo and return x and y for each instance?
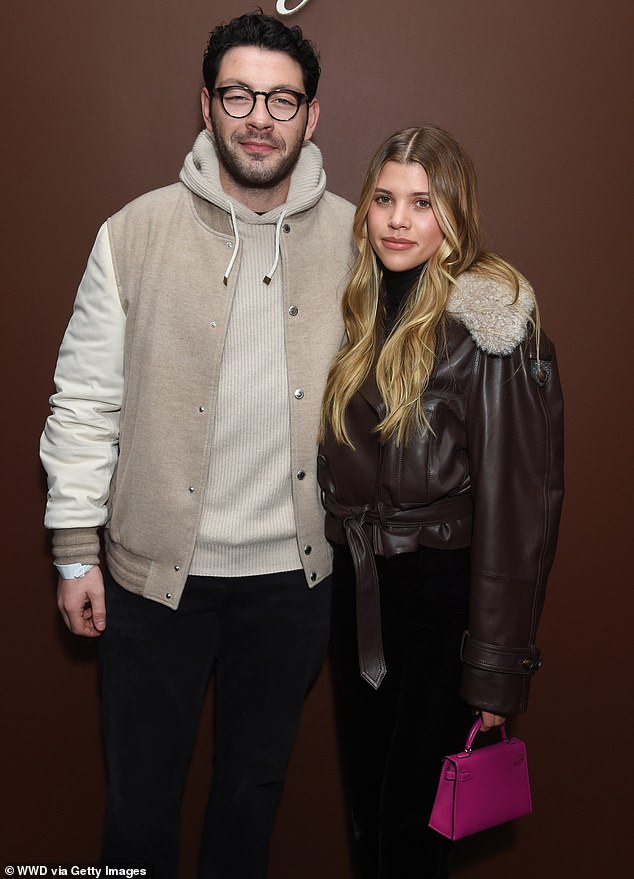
(282, 104)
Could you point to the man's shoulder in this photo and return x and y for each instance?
(152, 204)
(338, 205)
(330, 219)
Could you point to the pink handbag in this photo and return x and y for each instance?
(479, 789)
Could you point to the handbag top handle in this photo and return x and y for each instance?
(475, 729)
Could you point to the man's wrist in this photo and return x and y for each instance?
(73, 572)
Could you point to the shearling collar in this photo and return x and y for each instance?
(485, 306)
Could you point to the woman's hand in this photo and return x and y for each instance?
(490, 720)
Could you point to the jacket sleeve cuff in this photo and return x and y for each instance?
(497, 678)
(72, 545)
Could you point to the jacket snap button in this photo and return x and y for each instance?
(177, 567)
(308, 550)
(293, 310)
(201, 408)
(168, 595)
(299, 394)
(301, 474)
(191, 489)
(313, 576)
(286, 228)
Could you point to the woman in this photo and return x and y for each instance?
(441, 469)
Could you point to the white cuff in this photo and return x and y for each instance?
(73, 572)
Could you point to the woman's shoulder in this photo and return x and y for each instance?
(488, 306)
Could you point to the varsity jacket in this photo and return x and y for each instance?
(128, 442)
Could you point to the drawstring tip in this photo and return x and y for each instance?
(224, 280)
(267, 280)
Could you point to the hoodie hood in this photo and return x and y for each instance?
(201, 174)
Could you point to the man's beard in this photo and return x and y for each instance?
(258, 171)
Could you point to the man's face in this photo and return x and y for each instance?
(258, 152)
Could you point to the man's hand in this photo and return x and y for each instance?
(490, 720)
(82, 604)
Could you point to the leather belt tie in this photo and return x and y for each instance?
(368, 603)
(369, 637)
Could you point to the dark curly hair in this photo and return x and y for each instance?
(266, 32)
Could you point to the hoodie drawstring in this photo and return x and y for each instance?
(278, 228)
(236, 245)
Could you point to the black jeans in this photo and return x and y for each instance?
(265, 638)
(393, 739)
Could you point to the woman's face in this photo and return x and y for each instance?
(402, 227)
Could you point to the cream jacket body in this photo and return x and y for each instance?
(128, 443)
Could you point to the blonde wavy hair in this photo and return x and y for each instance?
(405, 361)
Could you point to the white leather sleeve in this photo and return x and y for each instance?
(79, 445)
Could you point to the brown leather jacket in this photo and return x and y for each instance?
(489, 476)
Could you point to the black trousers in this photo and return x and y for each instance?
(393, 739)
(265, 638)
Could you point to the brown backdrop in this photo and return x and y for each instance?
(101, 104)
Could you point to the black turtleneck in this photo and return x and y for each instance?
(396, 288)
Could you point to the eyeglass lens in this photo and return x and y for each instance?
(239, 102)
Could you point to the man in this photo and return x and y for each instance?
(185, 420)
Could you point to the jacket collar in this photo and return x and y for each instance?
(370, 393)
(488, 309)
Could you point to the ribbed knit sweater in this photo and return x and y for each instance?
(247, 524)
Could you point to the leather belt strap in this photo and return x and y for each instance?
(369, 637)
